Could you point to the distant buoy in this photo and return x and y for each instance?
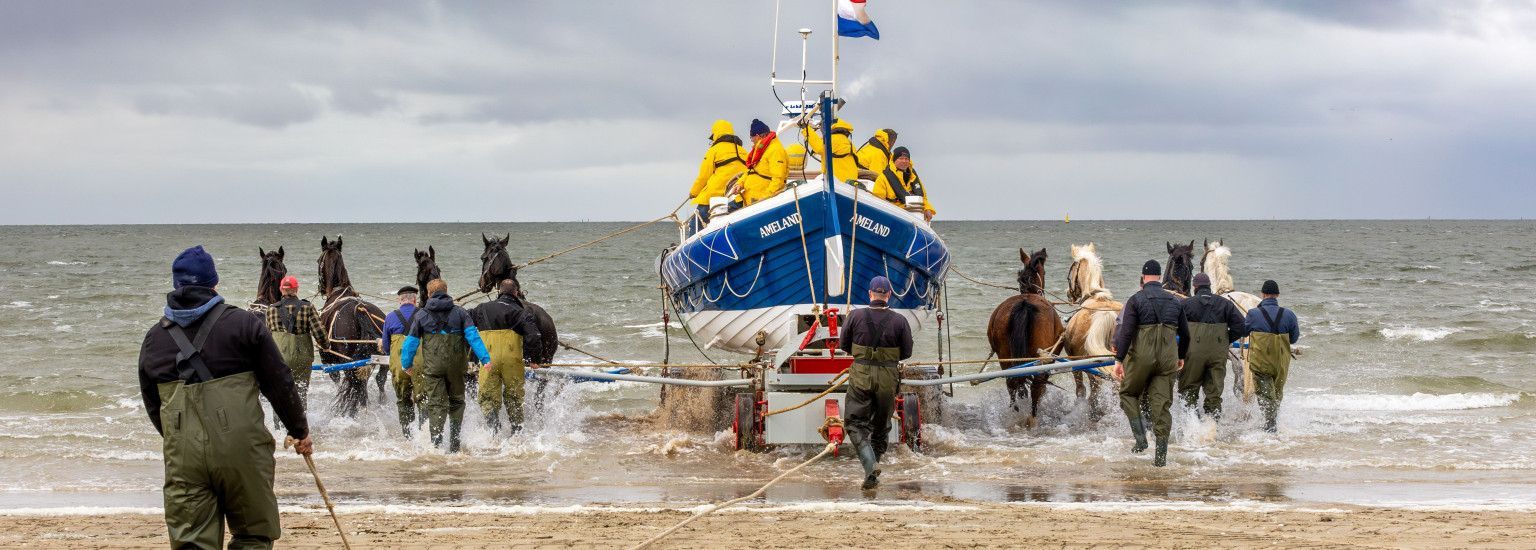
(1067, 219)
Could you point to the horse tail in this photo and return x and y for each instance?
(1020, 324)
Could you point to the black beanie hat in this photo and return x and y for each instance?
(1151, 268)
(1271, 287)
(900, 152)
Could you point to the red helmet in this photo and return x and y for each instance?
(289, 282)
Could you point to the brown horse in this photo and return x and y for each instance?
(1026, 326)
(1179, 274)
(497, 266)
(352, 327)
(272, 272)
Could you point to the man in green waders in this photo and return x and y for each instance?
(407, 392)
(200, 370)
(512, 336)
(1214, 323)
(1150, 345)
(879, 339)
(1272, 331)
(443, 333)
(295, 326)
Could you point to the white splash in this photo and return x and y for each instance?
(1419, 333)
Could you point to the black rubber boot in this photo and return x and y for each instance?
(870, 463)
(1138, 429)
(1160, 456)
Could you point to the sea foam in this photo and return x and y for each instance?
(1415, 402)
(1418, 333)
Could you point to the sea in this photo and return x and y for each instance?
(1417, 387)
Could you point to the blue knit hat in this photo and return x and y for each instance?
(194, 267)
(758, 128)
(880, 284)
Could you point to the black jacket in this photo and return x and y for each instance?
(507, 312)
(1208, 308)
(877, 327)
(1150, 306)
(239, 343)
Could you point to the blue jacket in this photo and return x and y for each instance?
(442, 317)
(394, 323)
(1285, 318)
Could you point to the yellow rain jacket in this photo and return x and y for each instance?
(724, 159)
(796, 154)
(909, 182)
(875, 155)
(766, 179)
(844, 166)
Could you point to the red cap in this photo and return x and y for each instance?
(289, 282)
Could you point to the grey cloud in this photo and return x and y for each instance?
(273, 107)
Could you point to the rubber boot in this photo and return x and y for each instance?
(1160, 456)
(1139, 430)
(871, 472)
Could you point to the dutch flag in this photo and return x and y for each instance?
(852, 22)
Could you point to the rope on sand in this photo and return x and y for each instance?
(647, 544)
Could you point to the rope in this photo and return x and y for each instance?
(824, 452)
(586, 353)
(805, 250)
(670, 215)
(853, 248)
(1001, 360)
(980, 282)
(838, 380)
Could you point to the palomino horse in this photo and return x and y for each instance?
(496, 266)
(272, 272)
(1180, 271)
(1090, 331)
(426, 271)
(1025, 326)
(352, 328)
(1214, 264)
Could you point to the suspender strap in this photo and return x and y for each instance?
(728, 162)
(896, 186)
(189, 361)
(1273, 326)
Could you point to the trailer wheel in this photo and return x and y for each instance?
(912, 421)
(744, 423)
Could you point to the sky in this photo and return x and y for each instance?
(362, 111)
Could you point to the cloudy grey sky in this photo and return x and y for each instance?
(174, 112)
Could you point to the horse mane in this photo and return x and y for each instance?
(1090, 273)
(1214, 264)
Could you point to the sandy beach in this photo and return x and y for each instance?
(952, 525)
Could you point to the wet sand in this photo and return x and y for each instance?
(951, 525)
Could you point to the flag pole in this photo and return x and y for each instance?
(835, 57)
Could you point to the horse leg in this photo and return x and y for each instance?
(1037, 385)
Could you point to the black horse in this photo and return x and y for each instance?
(352, 328)
(496, 266)
(272, 272)
(1178, 275)
(426, 271)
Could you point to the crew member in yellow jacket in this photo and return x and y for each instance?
(875, 154)
(723, 161)
(767, 166)
(900, 180)
(844, 167)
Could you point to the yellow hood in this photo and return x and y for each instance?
(720, 128)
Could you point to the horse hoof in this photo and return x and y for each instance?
(1030, 423)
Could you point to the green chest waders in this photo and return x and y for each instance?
(871, 399)
(1269, 356)
(1150, 366)
(442, 362)
(501, 382)
(218, 455)
(407, 393)
(1206, 367)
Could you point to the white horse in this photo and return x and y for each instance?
(1090, 331)
(1214, 265)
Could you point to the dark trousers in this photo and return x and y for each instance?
(871, 400)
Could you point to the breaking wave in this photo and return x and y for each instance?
(1418, 333)
(1415, 402)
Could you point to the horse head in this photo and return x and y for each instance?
(426, 268)
(1181, 267)
(1214, 263)
(496, 264)
(1085, 277)
(1032, 275)
(272, 272)
(333, 270)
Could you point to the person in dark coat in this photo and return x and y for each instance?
(1214, 323)
(511, 334)
(201, 368)
(879, 339)
(1151, 343)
